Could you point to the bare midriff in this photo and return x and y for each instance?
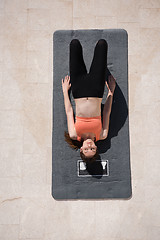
(88, 106)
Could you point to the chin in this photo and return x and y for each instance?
(89, 139)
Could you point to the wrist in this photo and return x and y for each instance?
(65, 93)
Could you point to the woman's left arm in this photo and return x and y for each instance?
(66, 86)
(107, 106)
(67, 104)
(68, 108)
(70, 117)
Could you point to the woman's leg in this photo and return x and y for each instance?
(98, 69)
(77, 67)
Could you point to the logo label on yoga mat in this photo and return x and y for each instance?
(98, 168)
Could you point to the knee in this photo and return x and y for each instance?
(74, 42)
(102, 42)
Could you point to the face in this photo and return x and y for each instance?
(88, 148)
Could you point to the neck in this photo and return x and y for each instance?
(89, 136)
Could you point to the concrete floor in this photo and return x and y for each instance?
(28, 210)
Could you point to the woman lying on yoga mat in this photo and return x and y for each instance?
(87, 90)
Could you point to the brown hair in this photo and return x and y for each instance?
(75, 144)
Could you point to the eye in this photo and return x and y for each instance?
(93, 149)
(86, 149)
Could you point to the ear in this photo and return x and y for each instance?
(81, 149)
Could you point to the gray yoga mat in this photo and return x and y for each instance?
(110, 176)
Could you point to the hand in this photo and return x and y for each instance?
(66, 84)
(111, 84)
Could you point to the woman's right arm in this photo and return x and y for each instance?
(108, 105)
(106, 114)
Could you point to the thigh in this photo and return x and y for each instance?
(76, 62)
(77, 68)
(98, 67)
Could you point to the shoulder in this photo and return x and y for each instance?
(73, 137)
(103, 134)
